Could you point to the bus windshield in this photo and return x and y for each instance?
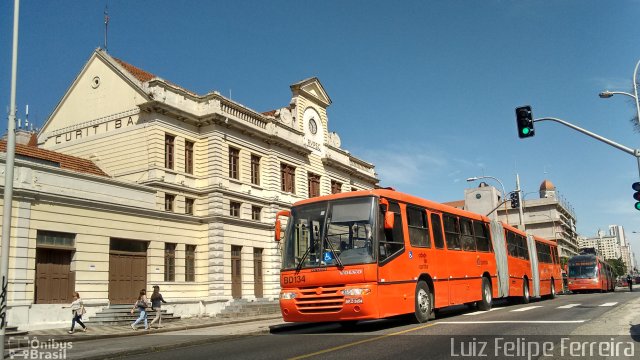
(582, 270)
(330, 233)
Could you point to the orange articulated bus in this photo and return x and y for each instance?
(381, 253)
(587, 272)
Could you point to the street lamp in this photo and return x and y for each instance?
(504, 193)
(607, 94)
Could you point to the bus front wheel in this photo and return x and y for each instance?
(423, 304)
(552, 293)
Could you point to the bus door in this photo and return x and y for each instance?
(438, 264)
(396, 283)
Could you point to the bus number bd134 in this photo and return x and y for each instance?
(293, 279)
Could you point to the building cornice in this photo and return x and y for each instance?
(83, 203)
(348, 169)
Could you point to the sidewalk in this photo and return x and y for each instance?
(102, 342)
(621, 320)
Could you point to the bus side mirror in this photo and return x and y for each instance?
(278, 230)
(389, 219)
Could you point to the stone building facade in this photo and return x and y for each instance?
(193, 183)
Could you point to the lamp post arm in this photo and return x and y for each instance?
(496, 208)
(628, 150)
(635, 91)
(623, 93)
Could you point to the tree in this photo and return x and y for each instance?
(619, 268)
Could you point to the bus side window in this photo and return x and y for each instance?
(482, 236)
(418, 227)
(393, 240)
(512, 247)
(451, 232)
(436, 226)
(466, 235)
(523, 250)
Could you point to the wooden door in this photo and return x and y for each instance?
(55, 282)
(127, 276)
(236, 272)
(257, 272)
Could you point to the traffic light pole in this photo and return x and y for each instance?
(628, 150)
(521, 200)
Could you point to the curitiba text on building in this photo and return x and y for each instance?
(95, 129)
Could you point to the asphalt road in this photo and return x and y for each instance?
(571, 326)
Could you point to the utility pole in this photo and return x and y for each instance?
(521, 213)
(8, 182)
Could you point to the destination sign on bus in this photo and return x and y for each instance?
(584, 263)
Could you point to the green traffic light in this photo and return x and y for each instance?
(638, 206)
(525, 131)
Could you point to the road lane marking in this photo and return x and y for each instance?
(568, 306)
(528, 308)
(513, 322)
(361, 342)
(482, 312)
(609, 304)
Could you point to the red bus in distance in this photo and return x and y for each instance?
(589, 273)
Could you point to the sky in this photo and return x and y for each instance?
(424, 90)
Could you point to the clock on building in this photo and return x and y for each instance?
(313, 127)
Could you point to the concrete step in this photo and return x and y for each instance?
(116, 315)
(242, 308)
(111, 312)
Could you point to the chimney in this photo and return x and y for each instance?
(23, 137)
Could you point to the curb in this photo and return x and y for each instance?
(154, 348)
(154, 331)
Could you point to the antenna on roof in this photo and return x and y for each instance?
(106, 25)
(229, 94)
(26, 118)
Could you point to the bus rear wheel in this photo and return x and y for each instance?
(552, 293)
(487, 297)
(525, 291)
(423, 305)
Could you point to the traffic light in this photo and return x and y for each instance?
(515, 200)
(524, 120)
(636, 195)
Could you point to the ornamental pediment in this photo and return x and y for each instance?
(312, 89)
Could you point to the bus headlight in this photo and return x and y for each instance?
(287, 295)
(355, 291)
(570, 282)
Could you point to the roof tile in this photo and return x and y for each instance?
(136, 72)
(68, 162)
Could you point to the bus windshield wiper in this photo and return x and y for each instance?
(333, 251)
(304, 256)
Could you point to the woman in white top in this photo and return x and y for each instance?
(77, 308)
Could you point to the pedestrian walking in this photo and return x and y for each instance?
(630, 282)
(156, 304)
(77, 310)
(141, 304)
